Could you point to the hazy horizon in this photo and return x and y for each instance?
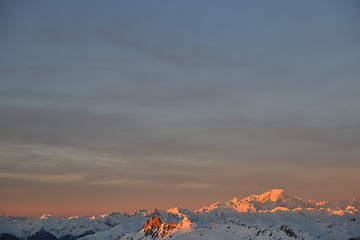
(99, 213)
(123, 105)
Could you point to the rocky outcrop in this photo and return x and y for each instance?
(155, 228)
(289, 232)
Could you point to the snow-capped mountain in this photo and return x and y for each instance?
(278, 199)
(271, 215)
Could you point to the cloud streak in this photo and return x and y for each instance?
(45, 178)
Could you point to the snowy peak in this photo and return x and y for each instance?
(217, 205)
(278, 200)
(185, 225)
(273, 195)
(174, 210)
(180, 213)
(273, 200)
(46, 216)
(141, 211)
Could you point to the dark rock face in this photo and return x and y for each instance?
(288, 231)
(155, 228)
(42, 235)
(152, 227)
(6, 236)
(168, 228)
(153, 222)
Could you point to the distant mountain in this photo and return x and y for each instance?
(272, 215)
(278, 199)
(269, 201)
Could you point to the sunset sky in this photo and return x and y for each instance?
(119, 105)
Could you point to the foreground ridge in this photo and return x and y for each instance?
(271, 215)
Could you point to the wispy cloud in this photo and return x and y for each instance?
(118, 182)
(45, 178)
(195, 185)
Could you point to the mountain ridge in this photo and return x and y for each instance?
(270, 200)
(271, 215)
(278, 199)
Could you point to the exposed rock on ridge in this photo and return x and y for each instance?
(155, 228)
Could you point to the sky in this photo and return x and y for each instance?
(120, 105)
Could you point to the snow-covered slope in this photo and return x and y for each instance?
(279, 200)
(271, 215)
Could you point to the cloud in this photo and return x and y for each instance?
(45, 178)
(118, 182)
(195, 185)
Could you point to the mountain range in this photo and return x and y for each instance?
(272, 215)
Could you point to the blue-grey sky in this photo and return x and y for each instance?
(117, 105)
